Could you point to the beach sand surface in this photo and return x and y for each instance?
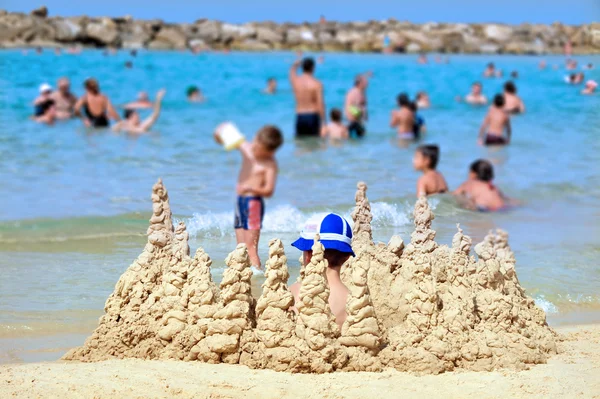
(574, 373)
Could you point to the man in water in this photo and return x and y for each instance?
(336, 238)
(495, 123)
(403, 119)
(64, 100)
(310, 106)
(142, 102)
(475, 97)
(132, 122)
(355, 107)
(271, 86)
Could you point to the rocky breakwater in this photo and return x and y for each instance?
(37, 29)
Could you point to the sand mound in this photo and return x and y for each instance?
(422, 308)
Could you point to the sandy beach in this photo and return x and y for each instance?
(571, 374)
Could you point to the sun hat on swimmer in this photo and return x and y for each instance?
(335, 233)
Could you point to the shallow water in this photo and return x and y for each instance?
(74, 204)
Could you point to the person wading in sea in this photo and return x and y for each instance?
(310, 106)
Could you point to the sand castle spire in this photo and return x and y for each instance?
(181, 248)
(161, 223)
(422, 239)
(275, 324)
(361, 232)
(360, 331)
(237, 315)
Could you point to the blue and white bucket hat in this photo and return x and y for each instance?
(334, 230)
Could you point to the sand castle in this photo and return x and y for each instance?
(422, 307)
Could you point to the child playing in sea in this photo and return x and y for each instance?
(335, 130)
(256, 181)
(495, 123)
(478, 192)
(426, 160)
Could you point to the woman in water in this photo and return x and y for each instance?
(97, 108)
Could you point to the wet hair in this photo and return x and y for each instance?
(92, 85)
(308, 65)
(491, 65)
(271, 79)
(499, 100)
(336, 115)
(336, 258)
(270, 136)
(431, 152)
(483, 170)
(191, 90)
(510, 87)
(127, 113)
(403, 100)
(413, 106)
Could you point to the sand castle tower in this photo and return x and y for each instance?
(362, 232)
(316, 325)
(224, 334)
(275, 321)
(360, 332)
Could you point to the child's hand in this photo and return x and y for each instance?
(216, 135)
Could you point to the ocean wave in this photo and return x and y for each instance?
(289, 219)
(545, 305)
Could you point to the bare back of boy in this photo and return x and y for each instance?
(403, 120)
(498, 121)
(481, 195)
(335, 131)
(432, 182)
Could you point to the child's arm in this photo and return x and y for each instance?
(294, 71)
(148, 122)
(324, 131)
(421, 189)
(393, 122)
(482, 129)
(111, 110)
(460, 190)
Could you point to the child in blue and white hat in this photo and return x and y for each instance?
(336, 236)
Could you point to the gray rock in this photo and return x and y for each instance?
(251, 45)
(413, 48)
(325, 37)
(269, 35)
(135, 35)
(66, 30)
(236, 32)
(169, 37)
(489, 48)
(497, 33)
(208, 30)
(13, 25)
(41, 12)
(198, 44)
(104, 31)
(348, 36)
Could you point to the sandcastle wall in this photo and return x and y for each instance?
(422, 307)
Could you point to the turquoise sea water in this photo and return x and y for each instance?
(74, 204)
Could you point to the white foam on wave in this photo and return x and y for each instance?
(545, 304)
(289, 219)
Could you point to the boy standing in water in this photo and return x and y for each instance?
(426, 160)
(256, 181)
(335, 130)
(496, 121)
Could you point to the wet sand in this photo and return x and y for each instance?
(571, 374)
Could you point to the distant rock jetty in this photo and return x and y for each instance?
(38, 30)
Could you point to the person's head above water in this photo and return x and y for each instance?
(336, 115)
(360, 82)
(476, 87)
(143, 96)
(64, 85)
(335, 235)
(510, 87)
(92, 86)
(268, 139)
(132, 116)
(45, 88)
(491, 65)
(426, 157)
(403, 100)
(481, 170)
(192, 91)
(499, 100)
(308, 65)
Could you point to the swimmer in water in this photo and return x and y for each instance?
(194, 94)
(97, 108)
(355, 107)
(512, 102)
(142, 102)
(475, 97)
(590, 87)
(514, 74)
(478, 192)
(490, 71)
(128, 64)
(431, 182)
(44, 106)
(271, 86)
(495, 123)
(403, 118)
(335, 130)
(422, 59)
(422, 100)
(133, 123)
(65, 100)
(308, 93)
(542, 65)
